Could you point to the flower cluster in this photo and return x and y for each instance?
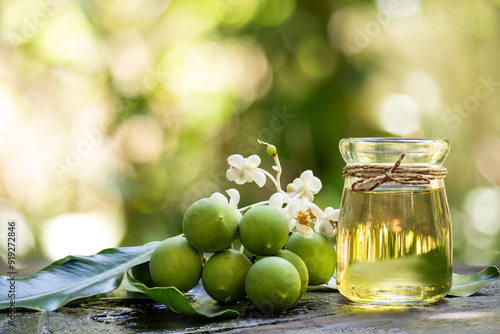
(296, 203)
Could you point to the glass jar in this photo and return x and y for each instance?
(394, 241)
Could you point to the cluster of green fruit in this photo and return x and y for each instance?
(273, 270)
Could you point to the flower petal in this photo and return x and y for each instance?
(334, 215)
(234, 197)
(240, 179)
(259, 178)
(313, 185)
(298, 184)
(317, 212)
(236, 160)
(232, 174)
(286, 214)
(326, 228)
(294, 207)
(308, 196)
(247, 176)
(306, 231)
(238, 215)
(306, 175)
(276, 201)
(219, 196)
(253, 161)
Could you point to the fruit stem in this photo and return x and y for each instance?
(248, 207)
(272, 149)
(270, 177)
(278, 171)
(298, 195)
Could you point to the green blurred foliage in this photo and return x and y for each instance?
(170, 89)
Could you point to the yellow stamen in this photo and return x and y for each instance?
(306, 217)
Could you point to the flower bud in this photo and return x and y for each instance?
(290, 188)
(271, 149)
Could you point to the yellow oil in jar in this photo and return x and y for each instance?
(394, 246)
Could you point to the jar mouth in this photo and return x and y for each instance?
(387, 150)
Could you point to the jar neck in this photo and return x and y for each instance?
(372, 176)
(393, 186)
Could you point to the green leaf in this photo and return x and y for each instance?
(124, 292)
(74, 277)
(466, 285)
(196, 302)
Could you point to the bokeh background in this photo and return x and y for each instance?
(115, 116)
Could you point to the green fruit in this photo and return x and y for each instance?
(299, 265)
(175, 263)
(263, 230)
(223, 276)
(317, 253)
(210, 225)
(272, 284)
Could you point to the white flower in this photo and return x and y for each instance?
(306, 186)
(243, 170)
(300, 213)
(303, 214)
(234, 199)
(276, 201)
(328, 225)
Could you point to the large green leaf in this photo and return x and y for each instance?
(124, 292)
(74, 277)
(196, 302)
(466, 285)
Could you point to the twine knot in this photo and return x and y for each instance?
(373, 176)
(388, 177)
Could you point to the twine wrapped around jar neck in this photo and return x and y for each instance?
(377, 175)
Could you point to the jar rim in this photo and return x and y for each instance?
(395, 140)
(387, 150)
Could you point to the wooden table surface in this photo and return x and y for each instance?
(316, 312)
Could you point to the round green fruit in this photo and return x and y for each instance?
(223, 276)
(317, 253)
(263, 230)
(175, 263)
(210, 225)
(299, 265)
(272, 284)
